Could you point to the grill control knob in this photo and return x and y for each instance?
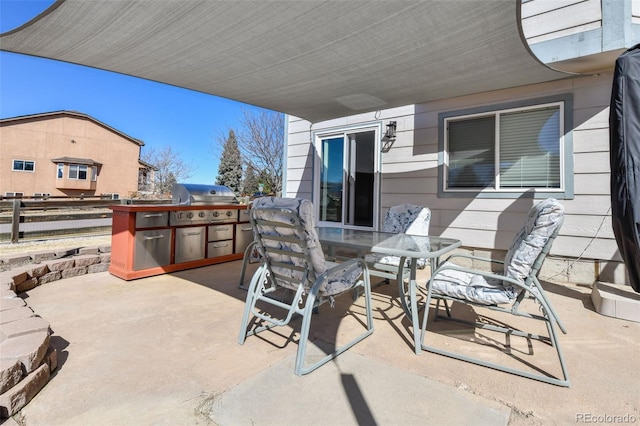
(201, 214)
(179, 215)
(215, 214)
(190, 215)
(229, 213)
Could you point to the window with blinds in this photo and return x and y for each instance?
(505, 150)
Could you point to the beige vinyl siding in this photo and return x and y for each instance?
(548, 19)
(410, 171)
(299, 159)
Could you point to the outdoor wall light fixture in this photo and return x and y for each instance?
(390, 134)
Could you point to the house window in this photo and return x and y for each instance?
(41, 195)
(60, 171)
(78, 171)
(509, 150)
(14, 194)
(23, 166)
(94, 174)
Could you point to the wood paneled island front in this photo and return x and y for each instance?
(150, 240)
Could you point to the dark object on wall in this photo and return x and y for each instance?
(624, 151)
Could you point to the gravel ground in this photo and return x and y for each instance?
(7, 248)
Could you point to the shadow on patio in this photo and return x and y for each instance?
(163, 350)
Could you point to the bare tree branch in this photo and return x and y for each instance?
(261, 141)
(171, 168)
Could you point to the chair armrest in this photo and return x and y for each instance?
(482, 259)
(450, 266)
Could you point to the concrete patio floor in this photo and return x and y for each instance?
(163, 350)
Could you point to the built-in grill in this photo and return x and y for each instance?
(202, 195)
(189, 194)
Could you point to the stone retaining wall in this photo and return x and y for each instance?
(27, 358)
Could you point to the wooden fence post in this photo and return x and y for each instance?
(15, 222)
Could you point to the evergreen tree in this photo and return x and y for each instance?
(230, 169)
(250, 185)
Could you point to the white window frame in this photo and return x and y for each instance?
(14, 194)
(565, 191)
(342, 132)
(24, 163)
(76, 168)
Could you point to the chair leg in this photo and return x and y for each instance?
(245, 260)
(552, 312)
(543, 378)
(254, 287)
(300, 369)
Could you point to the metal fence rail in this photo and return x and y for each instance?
(41, 219)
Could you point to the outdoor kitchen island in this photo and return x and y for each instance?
(151, 240)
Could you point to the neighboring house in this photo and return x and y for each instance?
(68, 153)
(480, 161)
(146, 178)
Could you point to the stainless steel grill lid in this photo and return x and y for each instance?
(187, 194)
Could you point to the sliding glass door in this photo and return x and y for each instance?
(348, 179)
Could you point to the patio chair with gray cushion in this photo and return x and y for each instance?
(285, 235)
(404, 218)
(515, 291)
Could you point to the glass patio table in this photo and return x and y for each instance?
(412, 247)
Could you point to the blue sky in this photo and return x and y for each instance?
(158, 114)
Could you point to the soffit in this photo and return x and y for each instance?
(312, 59)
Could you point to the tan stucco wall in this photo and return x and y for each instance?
(45, 138)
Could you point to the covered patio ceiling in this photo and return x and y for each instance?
(314, 59)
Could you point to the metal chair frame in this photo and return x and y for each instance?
(530, 288)
(273, 273)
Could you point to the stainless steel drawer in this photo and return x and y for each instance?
(152, 249)
(219, 248)
(152, 219)
(244, 236)
(190, 243)
(243, 215)
(220, 232)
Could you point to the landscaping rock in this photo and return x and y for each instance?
(15, 314)
(38, 271)
(17, 259)
(51, 276)
(66, 252)
(51, 358)
(38, 257)
(86, 260)
(59, 265)
(20, 277)
(10, 373)
(74, 272)
(29, 349)
(88, 250)
(26, 285)
(18, 396)
(7, 293)
(25, 326)
(99, 267)
(11, 303)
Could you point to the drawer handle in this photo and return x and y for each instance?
(156, 237)
(246, 229)
(220, 245)
(221, 230)
(191, 234)
(153, 215)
